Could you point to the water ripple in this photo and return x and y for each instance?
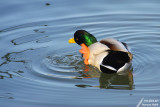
(49, 57)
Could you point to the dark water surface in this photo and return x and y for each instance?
(39, 68)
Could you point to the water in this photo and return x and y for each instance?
(39, 68)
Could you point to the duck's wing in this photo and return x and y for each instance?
(126, 46)
(129, 51)
(115, 45)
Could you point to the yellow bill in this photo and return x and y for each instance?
(71, 40)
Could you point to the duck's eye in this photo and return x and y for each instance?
(76, 38)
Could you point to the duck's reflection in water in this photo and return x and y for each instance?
(115, 81)
(123, 80)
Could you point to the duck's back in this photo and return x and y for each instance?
(115, 45)
(109, 54)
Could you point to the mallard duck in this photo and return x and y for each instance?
(108, 55)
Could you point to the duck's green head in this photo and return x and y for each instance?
(82, 36)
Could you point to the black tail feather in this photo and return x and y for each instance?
(115, 59)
